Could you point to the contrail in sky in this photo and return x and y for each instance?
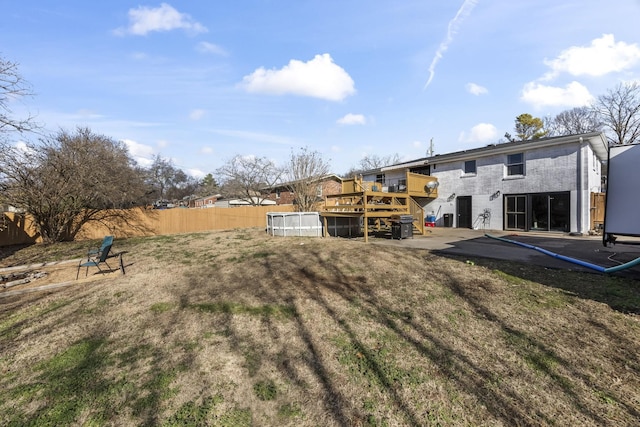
(454, 25)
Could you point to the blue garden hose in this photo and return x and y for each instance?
(569, 259)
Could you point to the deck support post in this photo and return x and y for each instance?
(366, 228)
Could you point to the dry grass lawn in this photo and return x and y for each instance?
(239, 328)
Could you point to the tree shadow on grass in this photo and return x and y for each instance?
(620, 293)
(68, 384)
(329, 287)
(346, 298)
(427, 341)
(620, 290)
(327, 284)
(8, 251)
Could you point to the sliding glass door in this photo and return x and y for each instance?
(538, 212)
(515, 212)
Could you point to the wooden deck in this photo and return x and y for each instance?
(367, 201)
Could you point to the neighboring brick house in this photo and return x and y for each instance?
(538, 185)
(207, 202)
(326, 185)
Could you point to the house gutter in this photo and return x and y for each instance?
(597, 140)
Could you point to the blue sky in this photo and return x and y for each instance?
(201, 81)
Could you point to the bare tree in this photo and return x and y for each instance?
(246, 177)
(373, 161)
(574, 122)
(68, 180)
(619, 111)
(168, 181)
(305, 171)
(12, 87)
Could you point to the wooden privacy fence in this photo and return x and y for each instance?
(18, 229)
(597, 210)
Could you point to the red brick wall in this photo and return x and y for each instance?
(286, 197)
(205, 202)
(331, 187)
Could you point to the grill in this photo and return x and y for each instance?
(401, 226)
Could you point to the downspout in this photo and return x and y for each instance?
(579, 207)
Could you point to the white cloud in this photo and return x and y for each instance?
(25, 150)
(482, 132)
(87, 114)
(602, 57)
(206, 150)
(572, 95)
(352, 119)
(452, 29)
(144, 20)
(416, 144)
(142, 154)
(196, 173)
(197, 114)
(206, 47)
(318, 78)
(336, 149)
(476, 89)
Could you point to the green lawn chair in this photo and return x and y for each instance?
(99, 257)
(107, 241)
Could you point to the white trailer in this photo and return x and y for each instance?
(622, 208)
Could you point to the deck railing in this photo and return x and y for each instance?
(414, 184)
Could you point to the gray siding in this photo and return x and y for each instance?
(562, 168)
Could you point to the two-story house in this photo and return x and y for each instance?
(541, 185)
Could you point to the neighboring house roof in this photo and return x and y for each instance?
(597, 140)
(10, 208)
(319, 179)
(240, 202)
(213, 196)
(371, 171)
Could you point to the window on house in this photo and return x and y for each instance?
(319, 191)
(422, 170)
(277, 194)
(515, 164)
(470, 167)
(380, 178)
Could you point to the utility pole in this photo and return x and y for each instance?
(430, 151)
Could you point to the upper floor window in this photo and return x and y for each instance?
(515, 164)
(470, 167)
(277, 194)
(319, 190)
(380, 178)
(422, 170)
